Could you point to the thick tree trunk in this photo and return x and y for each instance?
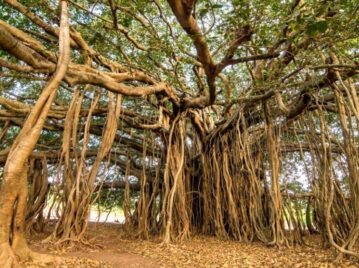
(13, 192)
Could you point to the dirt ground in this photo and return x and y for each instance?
(117, 250)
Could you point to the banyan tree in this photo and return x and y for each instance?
(236, 119)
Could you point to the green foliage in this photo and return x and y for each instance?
(110, 198)
(317, 28)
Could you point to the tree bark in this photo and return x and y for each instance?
(13, 190)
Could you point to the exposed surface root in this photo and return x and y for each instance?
(7, 257)
(43, 259)
(26, 255)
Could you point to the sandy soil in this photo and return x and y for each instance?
(117, 250)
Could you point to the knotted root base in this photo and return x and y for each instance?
(7, 257)
(10, 258)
